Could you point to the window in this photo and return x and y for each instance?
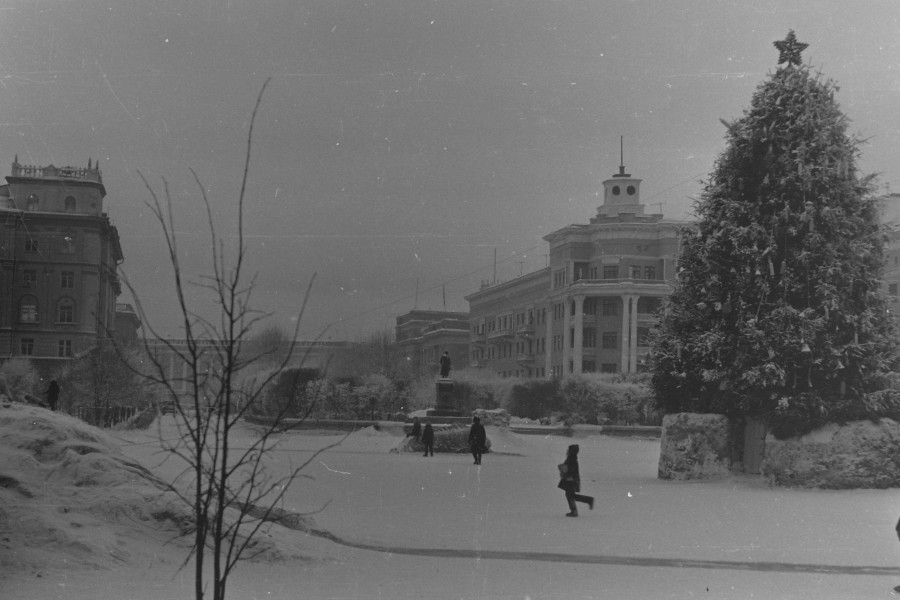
(648, 305)
(609, 368)
(892, 289)
(65, 311)
(588, 366)
(67, 279)
(610, 272)
(70, 203)
(582, 270)
(589, 307)
(635, 272)
(610, 307)
(31, 246)
(558, 311)
(643, 336)
(29, 277)
(559, 278)
(33, 202)
(68, 243)
(589, 338)
(64, 349)
(649, 272)
(28, 309)
(26, 346)
(610, 340)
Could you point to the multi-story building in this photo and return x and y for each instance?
(422, 336)
(592, 308)
(59, 254)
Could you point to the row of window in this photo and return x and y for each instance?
(530, 316)
(63, 347)
(28, 310)
(34, 203)
(538, 372)
(66, 278)
(608, 272)
(67, 245)
(609, 340)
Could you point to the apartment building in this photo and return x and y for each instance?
(59, 255)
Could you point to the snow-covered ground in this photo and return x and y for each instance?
(409, 527)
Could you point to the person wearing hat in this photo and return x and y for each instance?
(570, 482)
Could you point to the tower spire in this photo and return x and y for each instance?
(622, 172)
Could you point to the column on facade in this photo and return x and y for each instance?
(626, 304)
(633, 338)
(548, 354)
(579, 335)
(567, 338)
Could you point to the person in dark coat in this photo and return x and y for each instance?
(53, 395)
(428, 439)
(570, 482)
(416, 429)
(445, 365)
(477, 439)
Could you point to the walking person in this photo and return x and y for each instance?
(53, 395)
(445, 365)
(477, 439)
(428, 439)
(570, 482)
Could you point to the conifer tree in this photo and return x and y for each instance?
(778, 311)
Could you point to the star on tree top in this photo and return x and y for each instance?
(789, 49)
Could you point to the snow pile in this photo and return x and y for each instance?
(68, 495)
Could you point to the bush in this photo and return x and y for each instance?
(19, 377)
(289, 394)
(600, 398)
(536, 399)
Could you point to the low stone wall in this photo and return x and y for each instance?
(695, 446)
(861, 454)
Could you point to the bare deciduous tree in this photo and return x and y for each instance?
(230, 491)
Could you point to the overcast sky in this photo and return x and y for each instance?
(402, 142)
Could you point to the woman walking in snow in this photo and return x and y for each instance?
(570, 482)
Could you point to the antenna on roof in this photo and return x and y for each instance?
(621, 155)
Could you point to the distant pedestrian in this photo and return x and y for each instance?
(428, 439)
(53, 395)
(477, 439)
(445, 365)
(416, 429)
(570, 482)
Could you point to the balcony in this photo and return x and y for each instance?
(500, 333)
(525, 357)
(525, 331)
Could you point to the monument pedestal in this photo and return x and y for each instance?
(444, 406)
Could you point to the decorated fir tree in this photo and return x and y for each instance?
(777, 311)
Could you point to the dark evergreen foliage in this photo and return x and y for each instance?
(778, 310)
(536, 399)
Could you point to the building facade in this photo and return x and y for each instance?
(59, 255)
(422, 336)
(592, 308)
